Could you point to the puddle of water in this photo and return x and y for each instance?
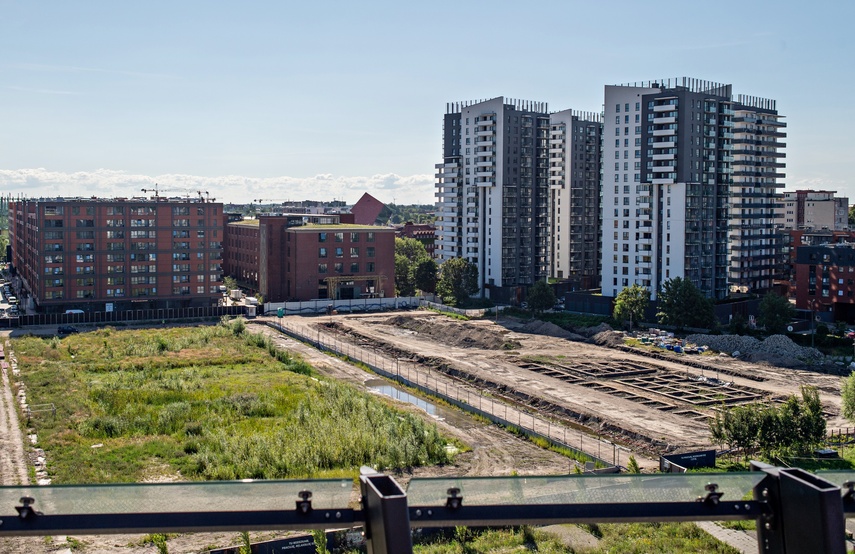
(378, 385)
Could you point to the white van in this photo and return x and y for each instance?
(73, 311)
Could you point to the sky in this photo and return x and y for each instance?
(279, 100)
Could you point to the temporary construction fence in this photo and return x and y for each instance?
(126, 316)
(321, 306)
(467, 398)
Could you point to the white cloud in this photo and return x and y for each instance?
(107, 183)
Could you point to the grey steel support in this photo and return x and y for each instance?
(387, 520)
(804, 513)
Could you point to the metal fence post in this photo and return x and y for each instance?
(387, 519)
(804, 513)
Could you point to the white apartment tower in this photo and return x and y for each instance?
(575, 142)
(492, 192)
(689, 187)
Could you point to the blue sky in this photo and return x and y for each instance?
(322, 100)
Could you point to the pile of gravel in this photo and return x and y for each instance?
(592, 331)
(775, 346)
(612, 339)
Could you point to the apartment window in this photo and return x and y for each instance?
(354, 237)
(354, 252)
(322, 268)
(339, 252)
(322, 237)
(617, 108)
(338, 267)
(369, 267)
(369, 236)
(180, 210)
(354, 267)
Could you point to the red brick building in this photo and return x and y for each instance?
(825, 280)
(126, 254)
(305, 257)
(422, 232)
(366, 210)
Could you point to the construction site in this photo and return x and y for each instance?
(649, 404)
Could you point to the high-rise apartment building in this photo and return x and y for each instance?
(575, 143)
(118, 254)
(689, 187)
(510, 175)
(493, 192)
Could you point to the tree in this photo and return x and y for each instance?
(404, 283)
(847, 398)
(852, 216)
(425, 275)
(540, 297)
(230, 283)
(682, 304)
(409, 255)
(775, 312)
(458, 279)
(631, 303)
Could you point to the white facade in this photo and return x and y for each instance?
(627, 223)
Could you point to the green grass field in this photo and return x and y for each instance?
(208, 402)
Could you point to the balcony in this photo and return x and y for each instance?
(664, 132)
(665, 144)
(664, 120)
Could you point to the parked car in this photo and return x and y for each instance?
(66, 330)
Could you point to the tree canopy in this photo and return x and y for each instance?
(458, 279)
(682, 304)
(775, 313)
(540, 297)
(847, 398)
(795, 427)
(412, 267)
(631, 303)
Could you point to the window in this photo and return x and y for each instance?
(339, 237)
(369, 267)
(354, 267)
(354, 252)
(369, 236)
(322, 268)
(354, 237)
(369, 251)
(322, 252)
(338, 267)
(322, 237)
(339, 252)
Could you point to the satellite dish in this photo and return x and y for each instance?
(790, 328)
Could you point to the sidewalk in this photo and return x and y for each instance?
(744, 541)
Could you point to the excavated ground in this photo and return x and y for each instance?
(651, 404)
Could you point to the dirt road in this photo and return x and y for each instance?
(13, 461)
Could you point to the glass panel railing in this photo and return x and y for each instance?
(836, 477)
(581, 489)
(199, 497)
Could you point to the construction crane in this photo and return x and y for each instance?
(271, 200)
(157, 190)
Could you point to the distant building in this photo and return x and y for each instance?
(366, 210)
(825, 280)
(425, 233)
(814, 209)
(291, 257)
(137, 253)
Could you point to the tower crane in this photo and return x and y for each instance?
(157, 190)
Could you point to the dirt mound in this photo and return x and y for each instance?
(591, 331)
(538, 327)
(612, 339)
(454, 333)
